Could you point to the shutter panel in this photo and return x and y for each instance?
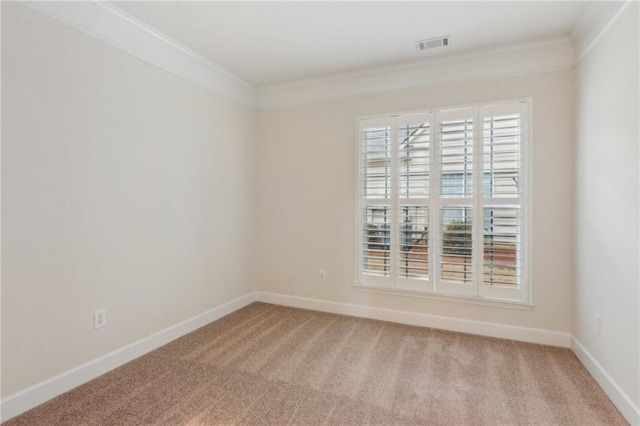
(414, 159)
(456, 206)
(375, 207)
(503, 216)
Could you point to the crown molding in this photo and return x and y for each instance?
(521, 59)
(106, 22)
(596, 20)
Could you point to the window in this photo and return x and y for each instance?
(442, 202)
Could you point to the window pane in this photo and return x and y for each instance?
(455, 185)
(414, 146)
(456, 158)
(414, 242)
(501, 242)
(376, 162)
(456, 244)
(502, 155)
(376, 240)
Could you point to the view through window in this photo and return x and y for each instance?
(442, 201)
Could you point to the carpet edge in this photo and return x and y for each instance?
(26, 399)
(620, 399)
(489, 329)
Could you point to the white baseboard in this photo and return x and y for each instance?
(523, 334)
(33, 396)
(621, 400)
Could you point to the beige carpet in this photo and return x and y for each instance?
(267, 364)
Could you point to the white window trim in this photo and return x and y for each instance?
(526, 299)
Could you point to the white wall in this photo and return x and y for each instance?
(124, 187)
(307, 198)
(128, 188)
(607, 215)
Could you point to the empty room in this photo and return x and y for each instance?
(313, 213)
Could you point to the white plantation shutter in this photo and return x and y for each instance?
(394, 176)
(503, 213)
(414, 146)
(375, 153)
(442, 202)
(455, 202)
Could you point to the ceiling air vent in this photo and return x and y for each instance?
(430, 43)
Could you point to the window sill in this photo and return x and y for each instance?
(471, 300)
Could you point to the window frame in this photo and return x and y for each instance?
(479, 293)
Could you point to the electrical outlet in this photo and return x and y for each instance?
(323, 276)
(597, 324)
(99, 318)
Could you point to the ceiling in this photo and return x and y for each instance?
(268, 43)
